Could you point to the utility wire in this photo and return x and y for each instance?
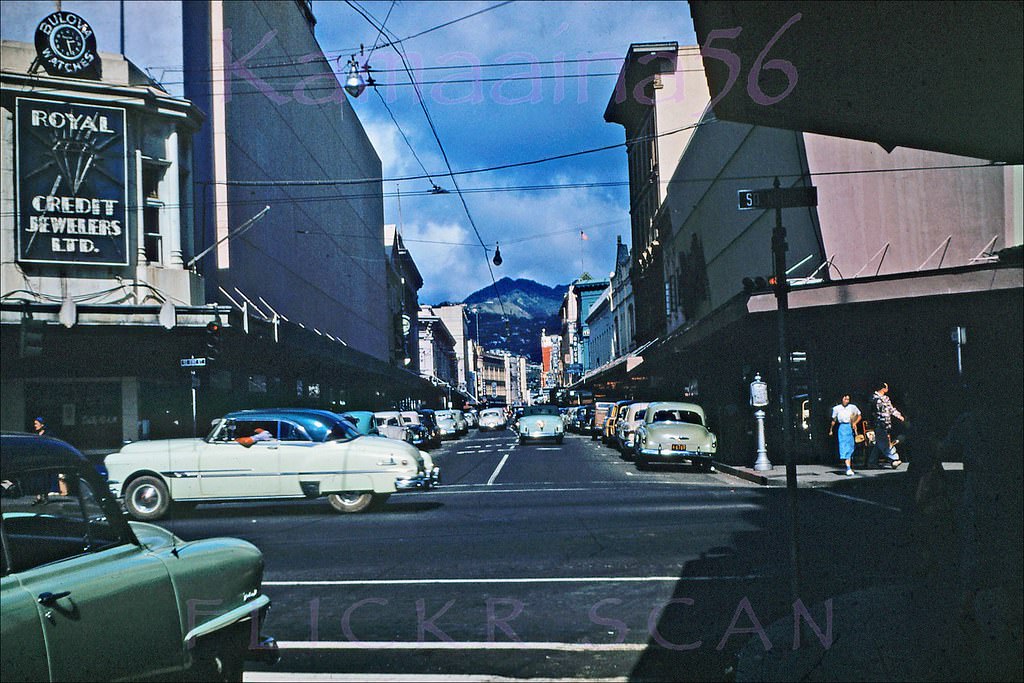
(406, 138)
(380, 33)
(444, 155)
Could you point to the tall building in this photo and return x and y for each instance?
(404, 283)
(456, 320)
(551, 366)
(234, 206)
(575, 344)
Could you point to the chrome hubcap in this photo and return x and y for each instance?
(146, 499)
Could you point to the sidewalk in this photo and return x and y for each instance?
(814, 476)
(893, 633)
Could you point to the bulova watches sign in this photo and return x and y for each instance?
(71, 171)
(66, 46)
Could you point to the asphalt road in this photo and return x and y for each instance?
(549, 561)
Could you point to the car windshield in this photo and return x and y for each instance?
(540, 410)
(677, 415)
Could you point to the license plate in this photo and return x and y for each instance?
(679, 447)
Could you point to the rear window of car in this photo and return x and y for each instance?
(684, 416)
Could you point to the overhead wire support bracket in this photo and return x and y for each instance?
(233, 233)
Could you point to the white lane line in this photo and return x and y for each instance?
(860, 500)
(537, 579)
(455, 645)
(261, 676)
(548, 448)
(494, 475)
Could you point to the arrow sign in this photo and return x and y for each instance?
(193, 362)
(776, 198)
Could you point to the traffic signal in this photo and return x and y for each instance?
(31, 336)
(757, 284)
(213, 339)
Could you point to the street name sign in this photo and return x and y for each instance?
(776, 198)
(193, 362)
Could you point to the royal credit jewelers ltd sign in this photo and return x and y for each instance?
(71, 169)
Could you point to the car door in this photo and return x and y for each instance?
(296, 454)
(91, 588)
(239, 466)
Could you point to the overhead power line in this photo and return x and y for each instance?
(444, 155)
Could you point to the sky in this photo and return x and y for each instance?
(493, 120)
(518, 81)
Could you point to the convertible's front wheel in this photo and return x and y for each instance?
(350, 501)
(147, 499)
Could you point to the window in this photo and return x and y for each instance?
(152, 175)
(686, 416)
(51, 515)
(289, 432)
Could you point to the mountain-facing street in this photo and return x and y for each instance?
(550, 561)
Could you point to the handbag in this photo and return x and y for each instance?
(859, 438)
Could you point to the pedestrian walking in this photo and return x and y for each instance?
(845, 415)
(883, 451)
(40, 429)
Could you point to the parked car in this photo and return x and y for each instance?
(89, 596)
(362, 420)
(540, 423)
(576, 419)
(608, 432)
(427, 420)
(389, 424)
(305, 453)
(415, 432)
(492, 419)
(675, 433)
(626, 426)
(596, 426)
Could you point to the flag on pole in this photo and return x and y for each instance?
(583, 235)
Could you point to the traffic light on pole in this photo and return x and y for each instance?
(757, 284)
(31, 336)
(213, 339)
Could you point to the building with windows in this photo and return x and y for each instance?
(575, 344)
(601, 323)
(438, 359)
(551, 368)
(404, 283)
(191, 206)
(492, 378)
(902, 249)
(456, 320)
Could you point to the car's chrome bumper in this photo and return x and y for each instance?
(423, 480)
(541, 436)
(672, 456)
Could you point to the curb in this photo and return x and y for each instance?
(743, 474)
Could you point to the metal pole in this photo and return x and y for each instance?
(779, 248)
(193, 373)
(763, 463)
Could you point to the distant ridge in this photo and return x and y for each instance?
(530, 307)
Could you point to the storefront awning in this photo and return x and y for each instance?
(965, 280)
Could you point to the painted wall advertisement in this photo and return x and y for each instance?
(72, 192)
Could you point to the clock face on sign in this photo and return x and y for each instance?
(66, 46)
(67, 42)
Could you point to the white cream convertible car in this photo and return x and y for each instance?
(268, 454)
(675, 433)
